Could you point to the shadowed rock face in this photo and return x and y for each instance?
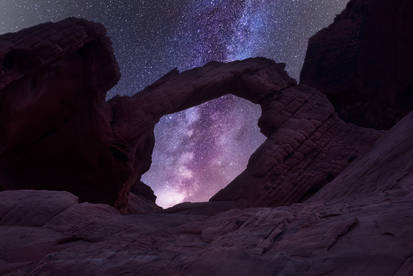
(54, 121)
(307, 147)
(363, 62)
(393, 168)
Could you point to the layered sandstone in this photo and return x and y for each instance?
(308, 145)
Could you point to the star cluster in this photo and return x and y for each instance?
(200, 150)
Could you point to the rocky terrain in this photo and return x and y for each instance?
(328, 193)
(359, 229)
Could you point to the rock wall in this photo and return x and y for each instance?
(308, 145)
(362, 62)
(54, 121)
(392, 163)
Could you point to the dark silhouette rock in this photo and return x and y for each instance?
(141, 189)
(54, 122)
(140, 205)
(201, 208)
(363, 62)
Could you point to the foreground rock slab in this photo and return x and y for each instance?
(344, 238)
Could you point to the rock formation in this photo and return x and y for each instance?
(357, 229)
(134, 118)
(307, 147)
(102, 148)
(54, 122)
(334, 198)
(363, 62)
(141, 200)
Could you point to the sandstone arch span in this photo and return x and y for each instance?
(304, 134)
(254, 80)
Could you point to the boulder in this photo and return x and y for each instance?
(143, 190)
(55, 122)
(55, 128)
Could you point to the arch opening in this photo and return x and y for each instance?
(200, 150)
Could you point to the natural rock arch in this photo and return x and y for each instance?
(200, 150)
(304, 133)
(75, 141)
(254, 80)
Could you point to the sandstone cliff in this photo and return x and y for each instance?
(55, 124)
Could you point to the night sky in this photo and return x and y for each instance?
(200, 150)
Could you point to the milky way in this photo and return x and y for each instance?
(204, 148)
(199, 150)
